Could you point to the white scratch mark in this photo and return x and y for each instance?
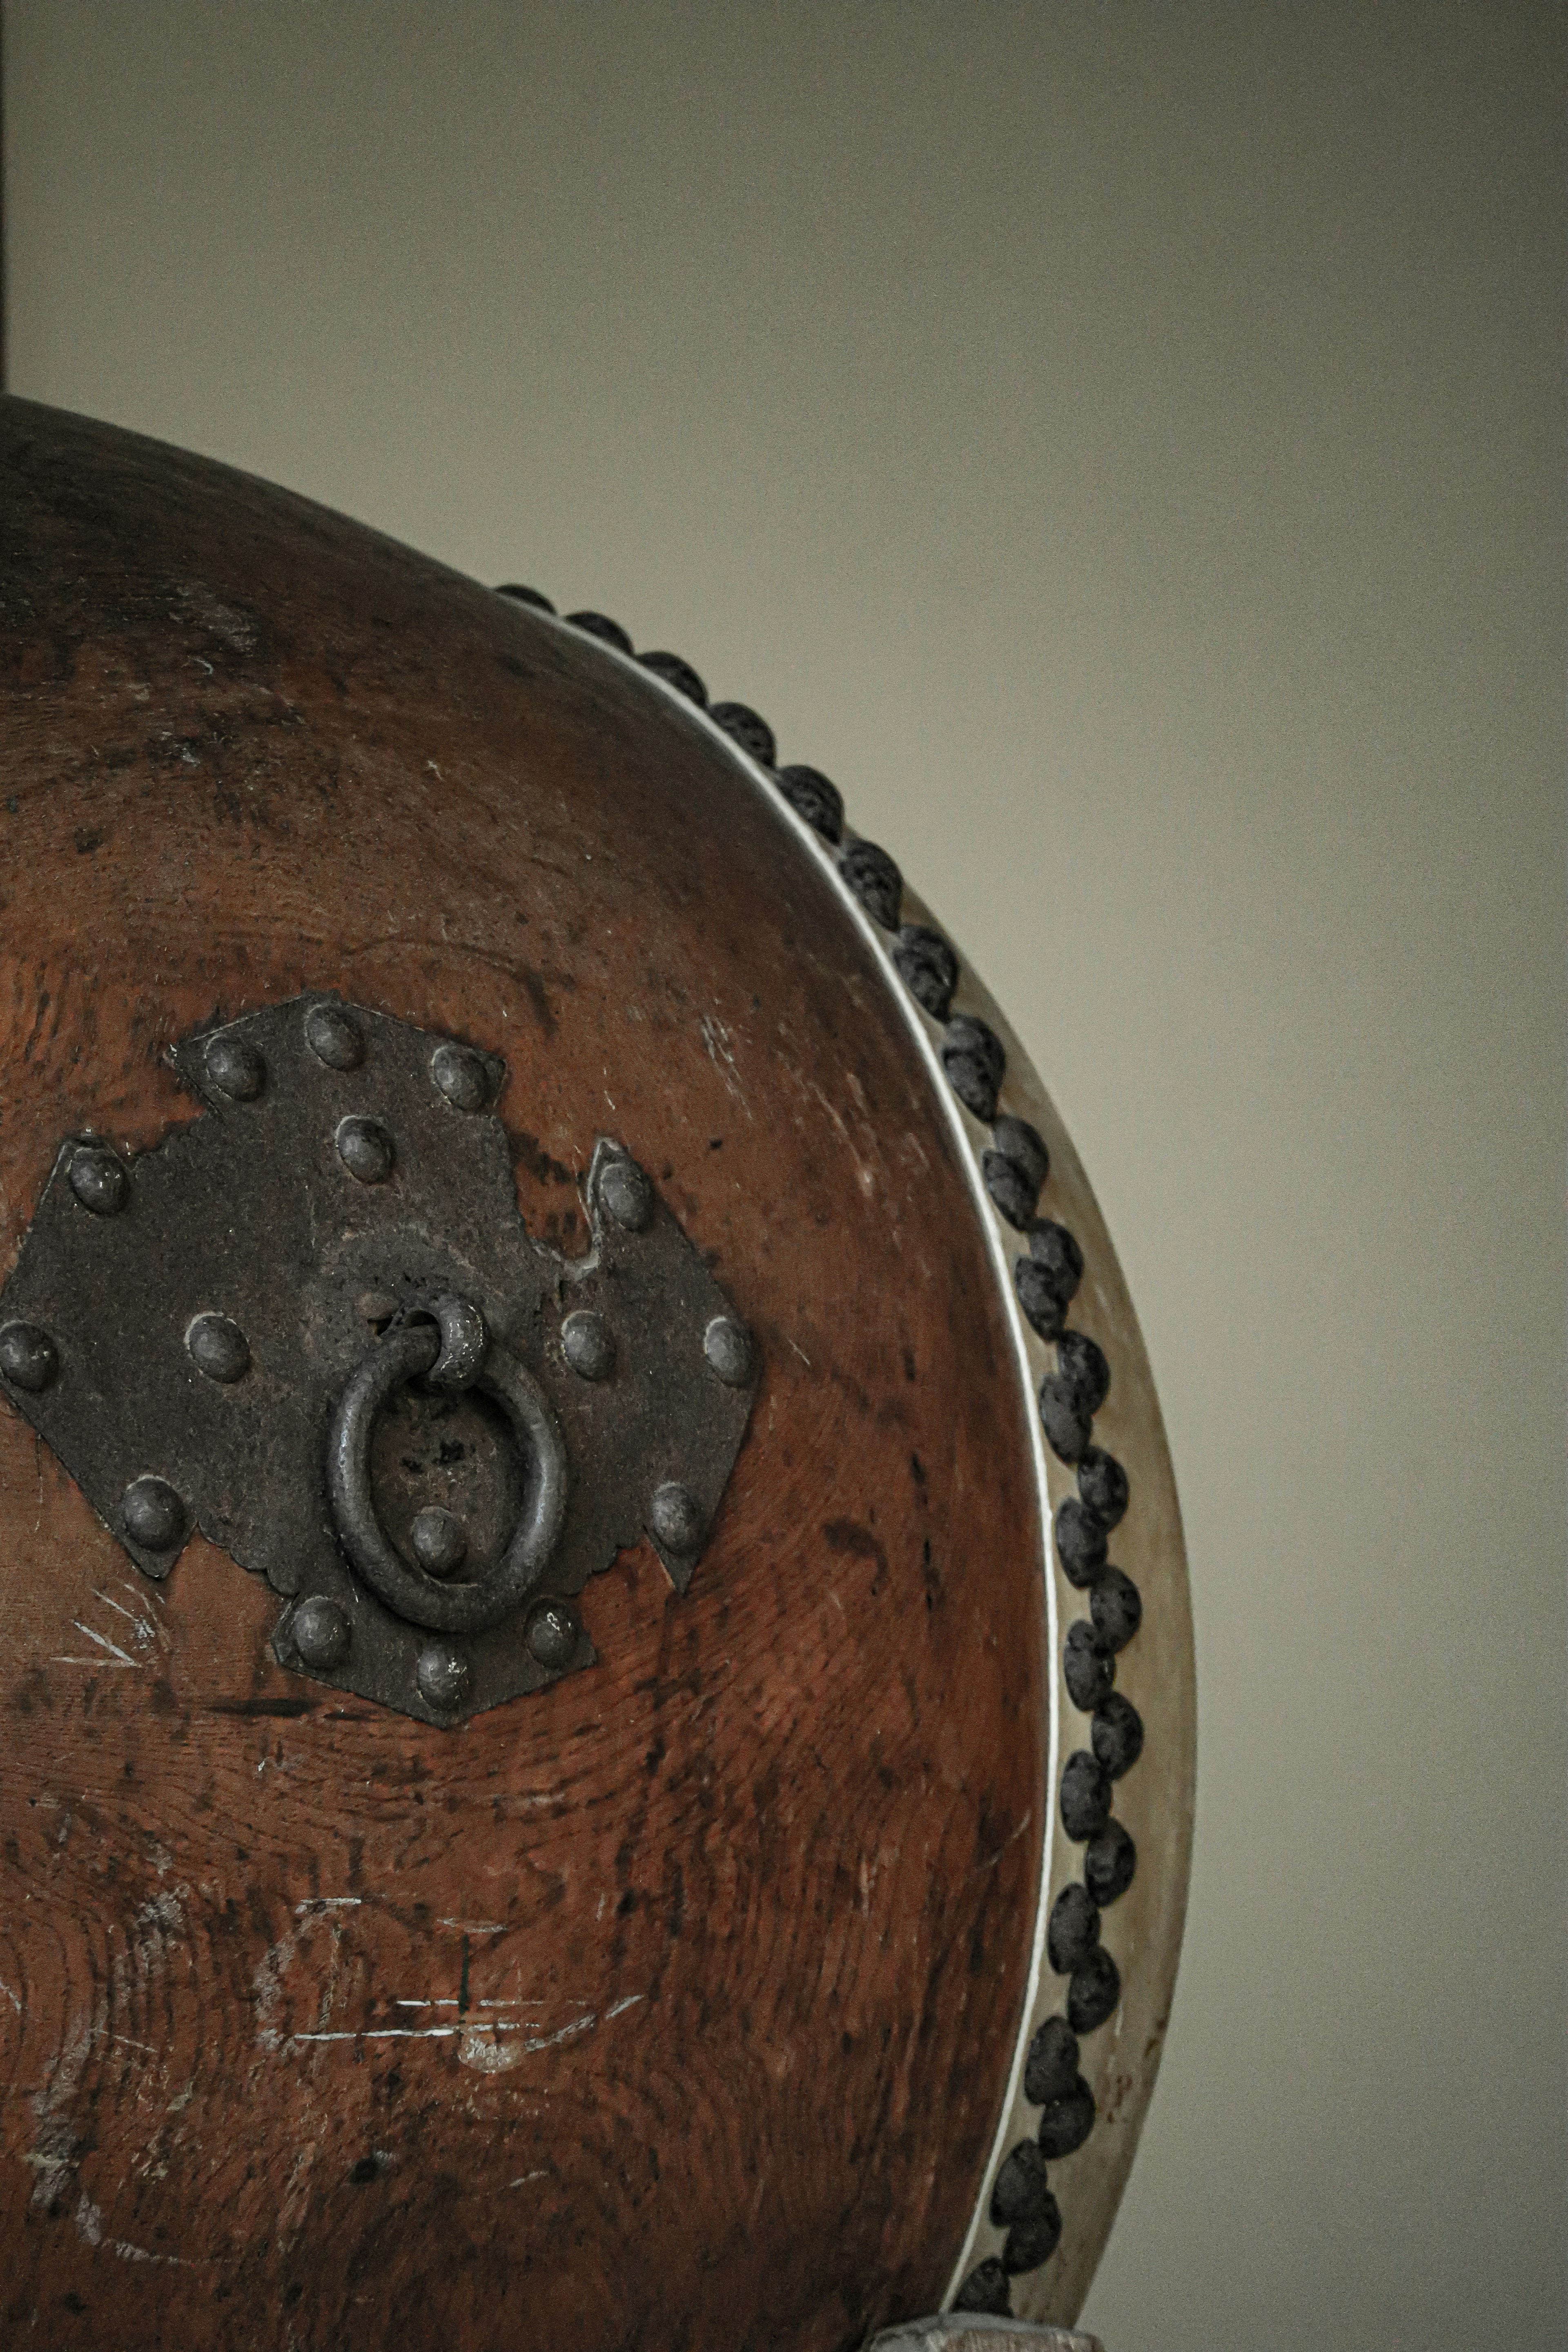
(524, 2177)
(374, 2034)
(145, 1632)
(800, 1351)
(1011, 1837)
(328, 1903)
(619, 2008)
(450, 2001)
(561, 2033)
(120, 1656)
(477, 1926)
(90, 2227)
(721, 1053)
(13, 1998)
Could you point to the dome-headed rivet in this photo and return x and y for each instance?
(439, 1544)
(153, 1514)
(675, 1517)
(443, 1676)
(334, 1037)
(29, 1359)
(218, 1347)
(589, 1345)
(365, 1149)
(554, 1630)
(627, 1195)
(98, 1181)
(322, 1631)
(460, 1074)
(235, 1068)
(726, 1344)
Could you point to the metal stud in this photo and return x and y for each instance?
(218, 1347)
(726, 1345)
(98, 1181)
(679, 674)
(365, 1149)
(442, 1675)
(439, 1544)
(600, 625)
(153, 1514)
(675, 1517)
(334, 1037)
(627, 1195)
(236, 1068)
(29, 1359)
(460, 1074)
(554, 1630)
(322, 1631)
(589, 1345)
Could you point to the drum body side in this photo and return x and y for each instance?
(675, 2004)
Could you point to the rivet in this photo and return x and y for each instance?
(98, 1181)
(1110, 1862)
(235, 1068)
(1050, 2070)
(218, 1347)
(153, 1514)
(589, 1345)
(627, 1195)
(1068, 2117)
(726, 1345)
(675, 1517)
(554, 1630)
(1072, 1930)
(365, 1149)
(1094, 1992)
(461, 1077)
(443, 1676)
(439, 1544)
(334, 1037)
(28, 1356)
(321, 1631)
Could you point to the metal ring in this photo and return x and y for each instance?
(403, 1355)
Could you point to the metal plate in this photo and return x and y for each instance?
(197, 1310)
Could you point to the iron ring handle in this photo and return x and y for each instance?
(403, 1355)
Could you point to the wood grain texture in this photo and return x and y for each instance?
(673, 2006)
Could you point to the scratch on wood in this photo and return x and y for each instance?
(117, 1655)
(145, 1632)
(722, 1053)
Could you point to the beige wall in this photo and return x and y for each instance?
(1123, 446)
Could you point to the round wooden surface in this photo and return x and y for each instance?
(673, 2006)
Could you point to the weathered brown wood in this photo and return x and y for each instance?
(673, 2006)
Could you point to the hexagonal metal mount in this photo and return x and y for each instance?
(183, 1324)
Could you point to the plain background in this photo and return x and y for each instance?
(1122, 447)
